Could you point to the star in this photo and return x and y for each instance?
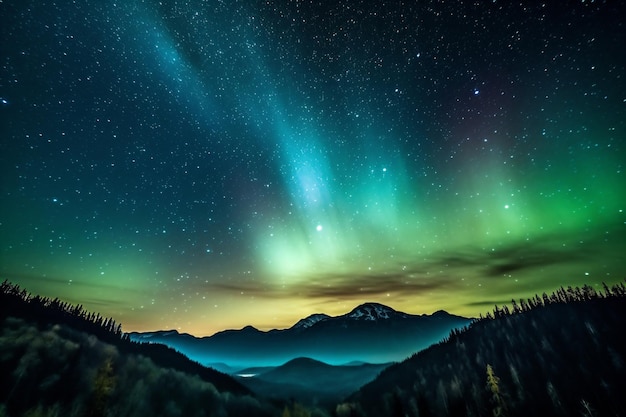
(274, 152)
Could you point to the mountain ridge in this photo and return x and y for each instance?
(310, 320)
(307, 321)
(371, 332)
(561, 354)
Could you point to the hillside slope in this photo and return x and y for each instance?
(56, 359)
(566, 357)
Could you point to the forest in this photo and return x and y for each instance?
(56, 359)
(556, 354)
(561, 354)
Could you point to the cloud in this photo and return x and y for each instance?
(347, 286)
(542, 252)
(344, 286)
(438, 273)
(489, 303)
(82, 291)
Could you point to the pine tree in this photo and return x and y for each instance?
(493, 385)
(104, 383)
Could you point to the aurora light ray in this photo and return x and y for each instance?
(202, 165)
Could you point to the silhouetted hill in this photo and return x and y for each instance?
(563, 355)
(56, 359)
(318, 374)
(371, 333)
(311, 382)
(299, 365)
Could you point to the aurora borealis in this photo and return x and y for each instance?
(203, 165)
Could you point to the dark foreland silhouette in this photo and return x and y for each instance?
(562, 354)
(57, 359)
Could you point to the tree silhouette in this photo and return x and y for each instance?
(104, 383)
(496, 397)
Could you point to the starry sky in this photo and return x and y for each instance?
(208, 164)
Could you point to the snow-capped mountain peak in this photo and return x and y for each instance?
(310, 321)
(374, 311)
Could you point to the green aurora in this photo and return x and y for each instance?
(203, 167)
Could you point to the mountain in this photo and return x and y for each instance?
(310, 382)
(307, 322)
(373, 312)
(371, 332)
(561, 355)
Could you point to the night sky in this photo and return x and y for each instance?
(203, 165)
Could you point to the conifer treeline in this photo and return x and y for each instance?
(15, 299)
(564, 356)
(560, 296)
(17, 302)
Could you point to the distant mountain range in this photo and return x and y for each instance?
(372, 333)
